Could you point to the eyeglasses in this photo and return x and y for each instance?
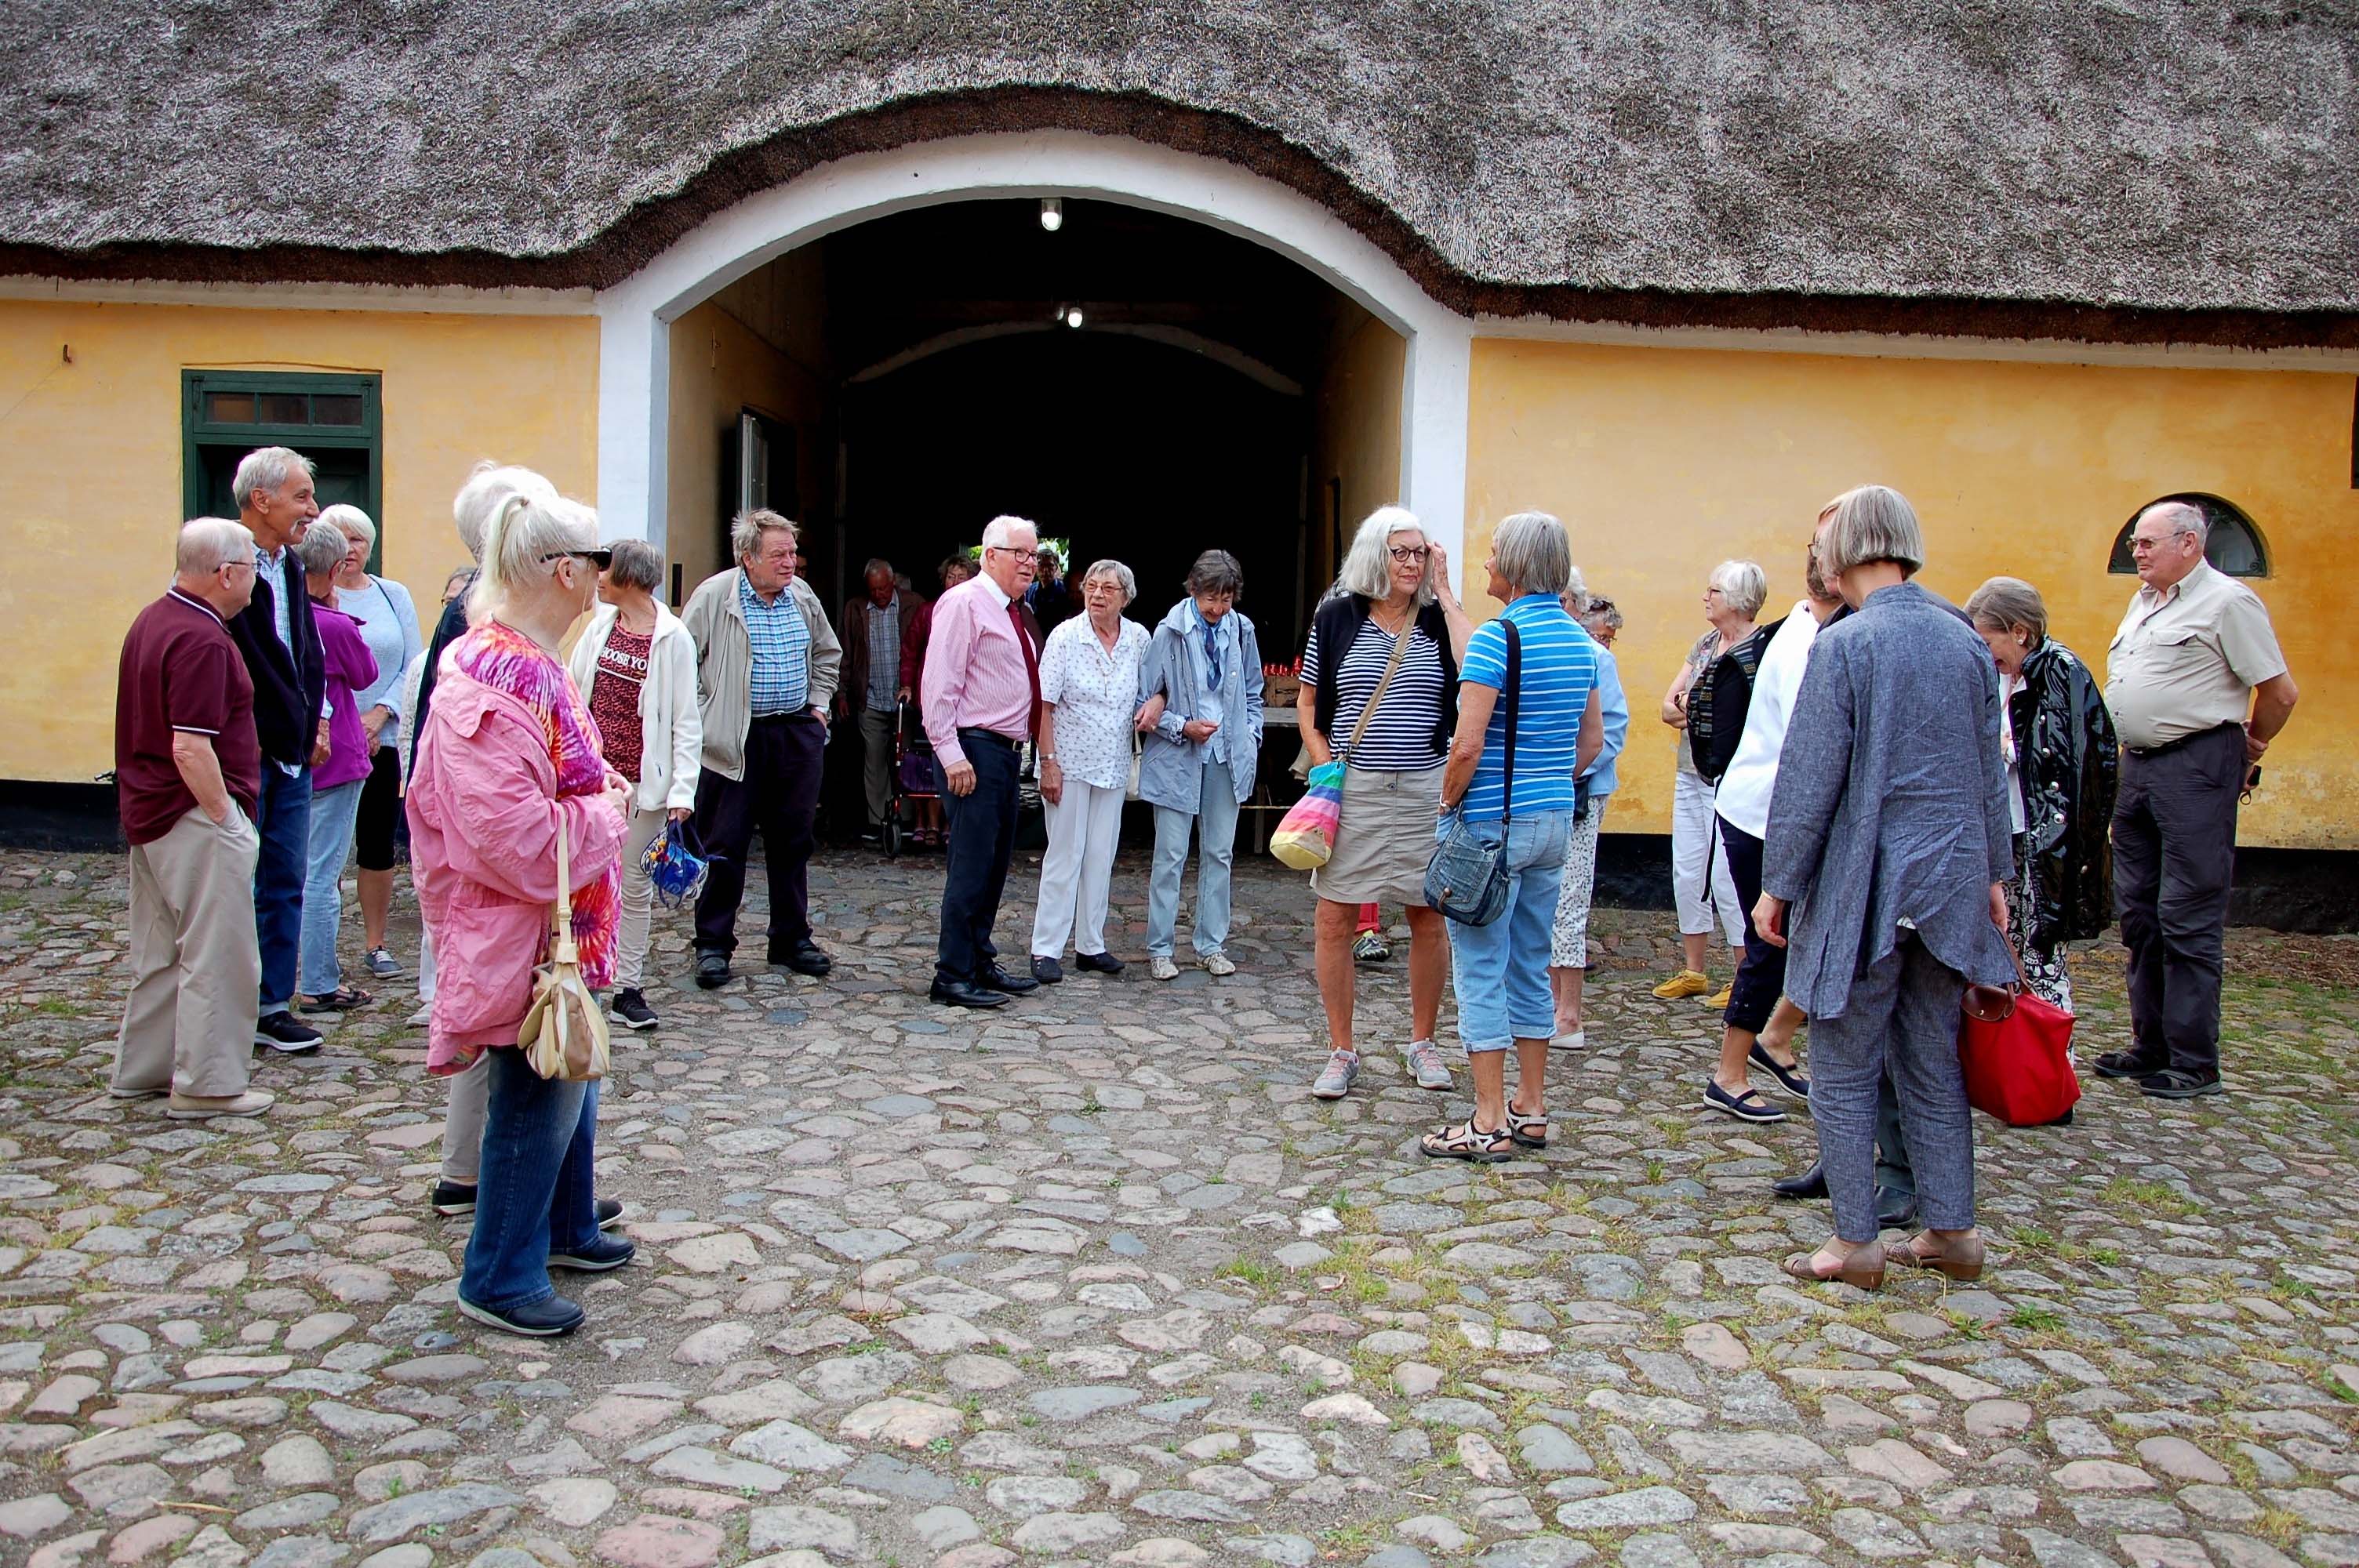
(1405, 554)
(601, 559)
(1012, 550)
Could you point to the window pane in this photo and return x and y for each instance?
(336, 408)
(286, 408)
(229, 407)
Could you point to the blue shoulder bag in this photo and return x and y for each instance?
(1467, 878)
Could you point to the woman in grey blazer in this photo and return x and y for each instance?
(1889, 837)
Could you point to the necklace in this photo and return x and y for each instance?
(1395, 627)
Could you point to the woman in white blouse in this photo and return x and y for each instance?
(1089, 696)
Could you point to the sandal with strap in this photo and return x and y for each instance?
(1961, 1262)
(343, 998)
(1468, 1142)
(1518, 1129)
(1863, 1269)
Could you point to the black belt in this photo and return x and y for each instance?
(993, 735)
(780, 717)
(2142, 752)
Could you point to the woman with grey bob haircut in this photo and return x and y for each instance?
(1888, 839)
(1532, 551)
(1089, 696)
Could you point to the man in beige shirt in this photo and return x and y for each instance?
(2198, 690)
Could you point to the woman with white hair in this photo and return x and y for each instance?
(636, 664)
(1089, 695)
(336, 780)
(509, 763)
(387, 619)
(1732, 596)
(1380, 688)
(1889, 840)
(1530, 723)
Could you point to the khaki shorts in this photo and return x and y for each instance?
(1385, 838)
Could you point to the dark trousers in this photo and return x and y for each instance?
(2174, 859)
(1761, 973)
(285, 821)
(982, 835)
(784, 759)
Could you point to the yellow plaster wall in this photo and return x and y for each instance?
(720, 365)
(92, 453)
(1665, 461)
(1357, 434)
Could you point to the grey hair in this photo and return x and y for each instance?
(208, 544)
(1744, 586)
(322, 550)
(2005, 603)
(1125, 578)
(1576, 593)
(524, 529)
(351, 521)
(1368, 568)
(878, 564)
(745, 530)
(1873, 522)
(636, 564)
(1603, 610)
(957, 561)
(1000, 529)
(1533, 553)
(2184, 518)
(487, 489)
(1216, 571)
(268, 469)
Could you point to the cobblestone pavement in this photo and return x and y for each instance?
(1091, 1280)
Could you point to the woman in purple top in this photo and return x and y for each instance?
(336, 783)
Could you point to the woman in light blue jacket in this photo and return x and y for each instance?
(1199, 688)
(1569, 935)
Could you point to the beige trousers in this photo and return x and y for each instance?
(196, 969)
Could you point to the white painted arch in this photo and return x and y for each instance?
(635, 315)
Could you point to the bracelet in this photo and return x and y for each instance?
(1047, 756)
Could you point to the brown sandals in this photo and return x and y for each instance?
(1960, 1260)
(1863, 1269)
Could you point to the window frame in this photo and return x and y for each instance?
(2216, 509)
(199, 434)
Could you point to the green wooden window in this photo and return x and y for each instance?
(334, 420)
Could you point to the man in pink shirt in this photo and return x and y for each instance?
(981, 695)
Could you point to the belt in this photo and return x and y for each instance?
(780, 717)
(2142, 752)
(993, 735)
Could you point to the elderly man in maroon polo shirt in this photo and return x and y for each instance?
(187, 770)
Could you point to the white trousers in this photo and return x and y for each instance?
(1694, 835)
(638, 897)
(1077, 871)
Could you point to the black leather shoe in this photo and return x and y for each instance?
(991, 977)
(544, 1319)
(602, 1254)
(1811, 1183)
(1894, 1210)
(1098, 963)
(712, 968)
(805, 958)
(2125, 1065)
(964, 993)
(1048, 971)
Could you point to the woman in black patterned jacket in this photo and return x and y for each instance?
(2062, 769)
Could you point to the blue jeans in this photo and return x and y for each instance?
(333, 810)
(1215, 822)
(285, 821)
(535, 1193)
(1500, 970)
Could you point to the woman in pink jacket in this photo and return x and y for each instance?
(508, 760)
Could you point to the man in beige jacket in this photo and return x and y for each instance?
(766, 663)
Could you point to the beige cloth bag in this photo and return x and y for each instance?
(564, 1033)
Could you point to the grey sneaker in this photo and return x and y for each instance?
(383, 964)
(1161, 967)
(1425, 1062)
(1220, 966)
(1343, 1066)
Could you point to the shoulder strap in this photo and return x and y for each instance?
(561, 913)
(1401, 646)
(1515, 683)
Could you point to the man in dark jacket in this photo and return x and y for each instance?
(873, 691)
(275, 635)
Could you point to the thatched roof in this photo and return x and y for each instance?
(2184, 168)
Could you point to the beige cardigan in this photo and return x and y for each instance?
(725, 664)
(670, 732)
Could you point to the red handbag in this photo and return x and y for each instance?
(2018, 1053)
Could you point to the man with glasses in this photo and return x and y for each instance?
(765, 673)
(980, 698)
(2198, 690)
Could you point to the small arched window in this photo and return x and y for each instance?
(2233, 546)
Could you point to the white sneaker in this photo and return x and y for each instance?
(1220, 966)
(1573, 1042)
(204, 1108)
(422, 1017)
(1160, 965)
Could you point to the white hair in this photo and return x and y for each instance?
(351, 521)
(745, 531)
(521, 536)
(1368, 567)
(208, 544)
(268, 469)
(2183, 518)
(322, 550)
(489, 485)
(998, 533)
(1124, 578)
(1575, 593)
(1744, 586)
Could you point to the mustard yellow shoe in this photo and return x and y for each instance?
(1686, 982)
(1719, 998)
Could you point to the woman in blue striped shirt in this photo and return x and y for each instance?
(1500, 970)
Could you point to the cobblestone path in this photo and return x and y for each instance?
(1092, 1280)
